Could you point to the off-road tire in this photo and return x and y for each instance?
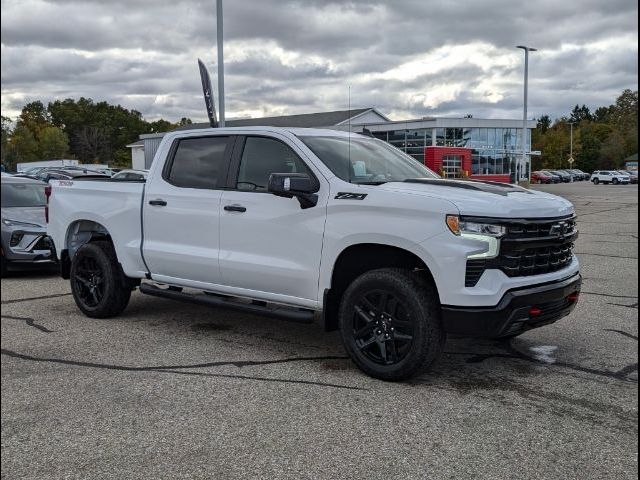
(116, 289)
(419, 300)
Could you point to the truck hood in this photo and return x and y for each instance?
(487, 199)
(33, 215)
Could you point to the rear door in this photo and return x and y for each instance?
(181, 211)
(270, 244)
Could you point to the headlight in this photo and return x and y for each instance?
(15, 223)
(488, 233)
(459, 226)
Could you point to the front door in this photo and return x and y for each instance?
(181, 209)
(269, 244)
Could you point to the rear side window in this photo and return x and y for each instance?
(199, 163)
(263, 156)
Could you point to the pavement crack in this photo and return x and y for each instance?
(607, 256)
(176, 369)
(582, 292)
(622, 332)
(18, 300)
(29, 321)
(633, 305)
(514, 354)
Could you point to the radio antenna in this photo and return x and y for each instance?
(349, 134)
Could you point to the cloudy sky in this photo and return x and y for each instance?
(409, 58)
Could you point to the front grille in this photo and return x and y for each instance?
(529, 247)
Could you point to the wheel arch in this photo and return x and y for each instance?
(356, 259)
(78, 233)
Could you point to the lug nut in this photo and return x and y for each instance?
(392, 329)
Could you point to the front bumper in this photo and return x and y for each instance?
(29, 247)
(519, 310)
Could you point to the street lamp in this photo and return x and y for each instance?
(220, 34)
(571, 143)
(523, 162)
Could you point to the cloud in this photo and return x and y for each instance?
(410, 58)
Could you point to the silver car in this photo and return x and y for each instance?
(24, 231)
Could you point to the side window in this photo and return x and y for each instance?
(263, 156)
(198, 163)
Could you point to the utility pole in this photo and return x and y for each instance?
(521, 165)
(220, 61)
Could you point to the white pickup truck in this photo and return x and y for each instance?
(289, 222)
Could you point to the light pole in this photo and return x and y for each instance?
(523, 162)
(571, 143)
(220, 62)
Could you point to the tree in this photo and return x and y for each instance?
(612, 151)
(544, 123)
(580, 114)
(23, 146)
(7, 130)
(35, 117)
(53, 143)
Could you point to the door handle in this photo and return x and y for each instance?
(158, 203)
(235, 208)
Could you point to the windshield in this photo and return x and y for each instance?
(365, 160)
(23, 195)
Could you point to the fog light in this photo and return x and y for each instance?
(15, 239)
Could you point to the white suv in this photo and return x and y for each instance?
(608, 176)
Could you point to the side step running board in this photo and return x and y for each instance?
(292, 314)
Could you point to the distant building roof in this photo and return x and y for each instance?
(305, 120)
(632, 158)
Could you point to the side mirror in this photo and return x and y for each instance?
(299, 185)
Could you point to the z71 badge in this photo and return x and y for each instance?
(350, 196)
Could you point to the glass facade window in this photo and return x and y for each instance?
(415, 138)
(380, 135)
(397, 138)
(494, 150)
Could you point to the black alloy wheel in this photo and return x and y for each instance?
(616, 181)
(382, 327)
(99, 286)
(89, 281)
(390, 323)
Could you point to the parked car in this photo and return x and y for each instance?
(24, 238)
(541, 177)
(307, 220)
(573, 176)
(609, 176)
(584, 175)
(633, 174)
(555, 178)
(632, 178)
(564, 176)
(66, 174)
(131, 175)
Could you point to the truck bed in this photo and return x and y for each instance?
(113, 204)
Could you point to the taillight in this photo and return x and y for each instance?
(47, 193)
(534, 311)
(573, 297)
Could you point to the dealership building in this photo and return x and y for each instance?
(489, 149)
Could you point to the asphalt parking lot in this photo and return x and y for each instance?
(171, 390)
